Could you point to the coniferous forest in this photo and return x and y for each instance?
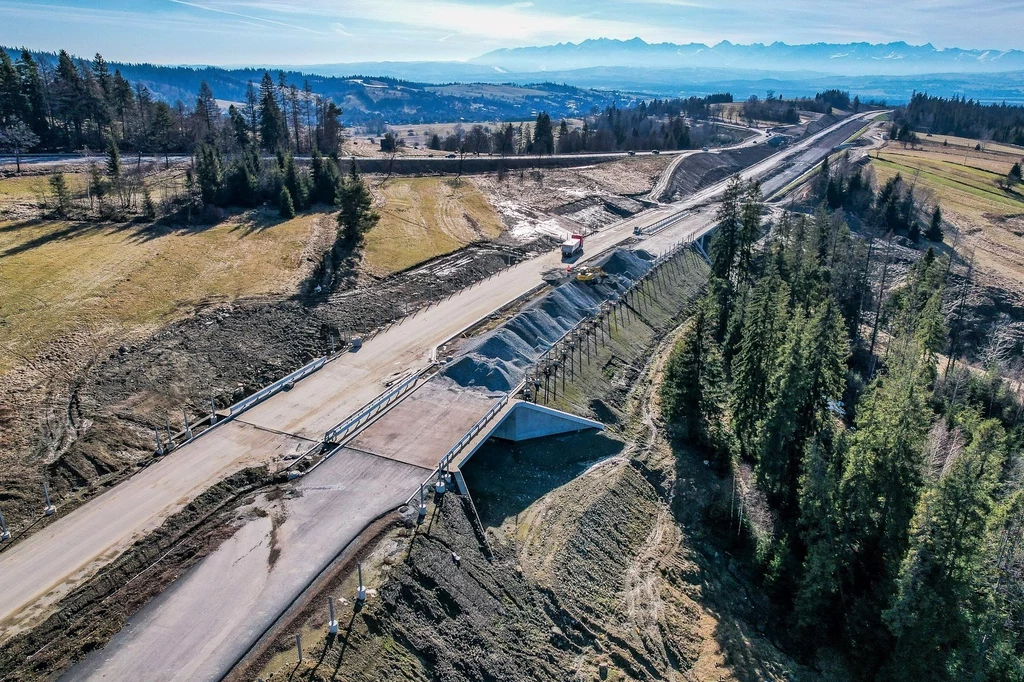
(877, 476)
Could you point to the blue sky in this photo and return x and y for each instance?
(329, 31)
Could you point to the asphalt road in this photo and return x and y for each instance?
(36, 572)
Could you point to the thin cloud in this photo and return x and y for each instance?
(245, 16)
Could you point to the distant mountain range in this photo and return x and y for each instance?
(852, 59)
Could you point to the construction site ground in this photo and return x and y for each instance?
(109, 329)
(591, 550)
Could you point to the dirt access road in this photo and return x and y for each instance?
(38, 571)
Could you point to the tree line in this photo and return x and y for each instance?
(83, 104)
(964, 118)
(775, 108)
(655, 124)
(885, 516)
(895, 208)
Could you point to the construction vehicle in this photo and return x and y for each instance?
(573, 246)
(588, 274)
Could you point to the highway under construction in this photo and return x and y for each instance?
(379, 423)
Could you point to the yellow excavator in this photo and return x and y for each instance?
(586, 273)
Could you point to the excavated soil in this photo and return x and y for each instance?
(701, 170)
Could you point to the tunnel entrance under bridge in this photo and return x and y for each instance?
(522, 421)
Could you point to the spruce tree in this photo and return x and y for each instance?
(725, 243)
(941, 593)
(816, 602)
(284, 202)
(755, 363)
(934, 232)
(357, 215)
(296, 182)
(61, 194)
(879, 491)
(34, 92)
(209, 174)
(750, 228)
(693, 391)
(273, 127)
(12, 105)
(810, 380)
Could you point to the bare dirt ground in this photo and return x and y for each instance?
(557, 201)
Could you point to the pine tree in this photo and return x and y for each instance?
(693, 391)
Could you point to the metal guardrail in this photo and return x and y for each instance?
(476, 428)
(273, 388)
(337, 433)
(663, 223)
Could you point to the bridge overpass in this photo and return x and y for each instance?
(342, 495)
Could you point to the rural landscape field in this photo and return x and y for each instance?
(484, 341)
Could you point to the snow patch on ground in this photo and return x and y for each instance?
(525, 225)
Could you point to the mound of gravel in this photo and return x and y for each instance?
(498, 360)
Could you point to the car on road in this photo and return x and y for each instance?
(655, 151)
(632, 153)
(449, 156)
(704, 149)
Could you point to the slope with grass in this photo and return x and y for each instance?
(422, 218)
(967, 184)
(60, 279)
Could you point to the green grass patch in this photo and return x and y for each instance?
(976, 182)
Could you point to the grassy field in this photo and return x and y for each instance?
(31, 187)
(965, 182)
(422, 218)
(93, 282)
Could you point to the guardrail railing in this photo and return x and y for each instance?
(273, 388)
(337, 433)
(476, 428)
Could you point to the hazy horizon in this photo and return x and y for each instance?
(303, 32)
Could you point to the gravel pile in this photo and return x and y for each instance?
(498, 360)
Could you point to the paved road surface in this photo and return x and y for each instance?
(46, 566)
